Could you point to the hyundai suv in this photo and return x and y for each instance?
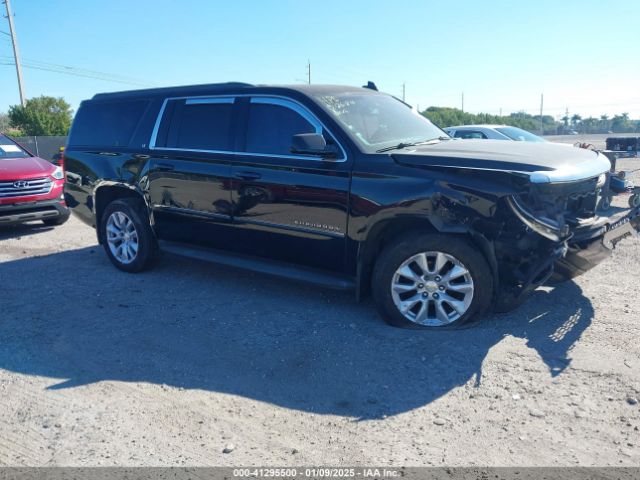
(30, 188)
(343, 187)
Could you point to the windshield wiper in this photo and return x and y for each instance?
(402, 145)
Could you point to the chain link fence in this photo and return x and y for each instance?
(43, 147)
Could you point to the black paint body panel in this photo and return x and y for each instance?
(323, 214)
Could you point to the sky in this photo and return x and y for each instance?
(583, 56)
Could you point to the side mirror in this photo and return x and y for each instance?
(312, 144)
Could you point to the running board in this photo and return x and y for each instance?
(269, 267)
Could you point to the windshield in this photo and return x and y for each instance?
(519, 135)
(378, 121)
(9, 149)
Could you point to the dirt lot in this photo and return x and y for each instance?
(598, 140)
(98, 367)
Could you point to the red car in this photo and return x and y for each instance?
(30, 188)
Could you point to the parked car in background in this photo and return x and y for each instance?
(493, 132)
(342, 187)
(30, 188)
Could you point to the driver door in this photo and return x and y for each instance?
(288, 207)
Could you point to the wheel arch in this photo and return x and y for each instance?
(387, 231)
(106, 193)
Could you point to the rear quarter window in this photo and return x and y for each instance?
(108, 124)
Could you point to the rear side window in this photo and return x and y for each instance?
(109, 124)
(271, 127)
(201, 125)
(469, 134)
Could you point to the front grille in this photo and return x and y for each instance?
(569, 200)
(24, 188)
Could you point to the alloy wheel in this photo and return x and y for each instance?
(432, 289)
(122, 237)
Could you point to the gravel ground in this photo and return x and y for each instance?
(170, 367)
(598, 140)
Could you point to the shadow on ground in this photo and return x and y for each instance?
(22, 230)
(74, 318)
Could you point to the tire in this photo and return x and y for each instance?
(126, 235)
(54, 222)
(442, 254)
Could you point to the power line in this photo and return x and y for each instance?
(16, 52)
(73, 71)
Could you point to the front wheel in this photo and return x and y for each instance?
(431, 281)
(127, 236)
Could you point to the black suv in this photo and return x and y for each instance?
(344, 187)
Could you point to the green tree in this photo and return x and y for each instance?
(4, 122)
(42, 116)
(576, 120)
(621, 123)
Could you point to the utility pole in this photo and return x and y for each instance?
(309, 71)
(404, 89)
(462, 102)
(541, 105)
(16, 54)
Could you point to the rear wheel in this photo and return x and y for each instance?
(431, 281)
(126, 235)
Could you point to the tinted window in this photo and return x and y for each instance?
(271, 128)
(469, 134)
(202, 126)
(106, 124)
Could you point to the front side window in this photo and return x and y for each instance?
(271, 127)
(202, 126)
(378, 121)
(9, 149)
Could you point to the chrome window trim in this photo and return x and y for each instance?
(156, 126)
(255, 98)
(208, 101)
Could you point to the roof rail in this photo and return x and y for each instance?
(186, 89)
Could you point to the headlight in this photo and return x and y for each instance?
(58, 174)
(602, 179)
(542, 227)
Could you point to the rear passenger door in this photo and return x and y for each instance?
(190, 170)
(288, 207)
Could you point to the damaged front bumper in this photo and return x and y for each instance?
(591, 244)
(569, 252)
